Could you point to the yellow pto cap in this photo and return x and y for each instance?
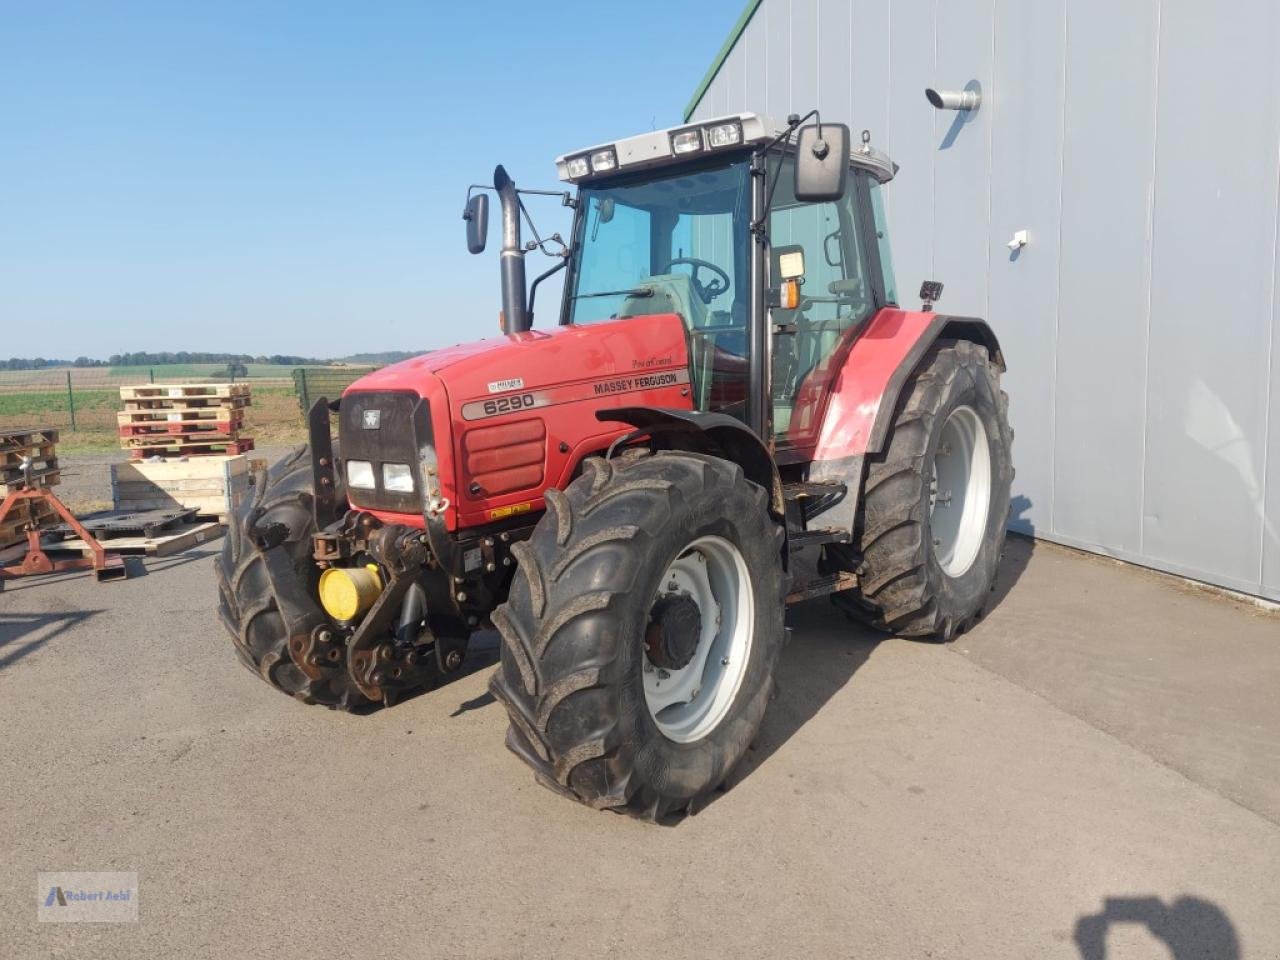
(347, 592)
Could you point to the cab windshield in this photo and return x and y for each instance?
(673, 243)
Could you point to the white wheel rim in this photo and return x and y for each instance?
(687, 704)
(960, 495)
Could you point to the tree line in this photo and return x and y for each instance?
(238, 360)
(156, 359)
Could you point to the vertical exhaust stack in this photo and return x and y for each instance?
(515, 313)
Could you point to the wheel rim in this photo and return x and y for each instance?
(960, 494)
(689, 702)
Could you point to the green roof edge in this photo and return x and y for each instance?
(743, 19)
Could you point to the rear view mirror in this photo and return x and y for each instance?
(477, 217)
(822, 162)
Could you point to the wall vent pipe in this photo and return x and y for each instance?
(953, 99)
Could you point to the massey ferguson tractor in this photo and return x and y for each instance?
(732, 413)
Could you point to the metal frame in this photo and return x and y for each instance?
(106, 566)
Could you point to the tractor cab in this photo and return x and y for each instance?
(678, 234)
(771, 253)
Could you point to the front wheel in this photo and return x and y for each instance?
(642, 631)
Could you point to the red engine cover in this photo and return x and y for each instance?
(515, 415)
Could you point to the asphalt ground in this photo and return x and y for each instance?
(1093, 771)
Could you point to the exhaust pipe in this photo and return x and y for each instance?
(515, 313)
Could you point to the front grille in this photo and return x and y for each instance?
(504, 458)
(384, 427)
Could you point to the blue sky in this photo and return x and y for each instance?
(289, 177)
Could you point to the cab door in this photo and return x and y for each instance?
(840, 288)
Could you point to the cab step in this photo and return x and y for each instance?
(844, 580)
(799, 539)
(804, 490)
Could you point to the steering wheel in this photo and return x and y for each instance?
(708, 292)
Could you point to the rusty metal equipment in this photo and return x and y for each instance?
(106, 566)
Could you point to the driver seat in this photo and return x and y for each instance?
(672, 293)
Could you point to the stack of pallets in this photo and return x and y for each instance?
(40, 446)
(184, 419)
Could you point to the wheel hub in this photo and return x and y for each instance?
(960, 491)
(698, 639)
(675, 627)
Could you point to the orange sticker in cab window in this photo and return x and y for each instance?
(500, 513)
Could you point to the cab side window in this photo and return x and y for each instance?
(882, 241)
(836, 292)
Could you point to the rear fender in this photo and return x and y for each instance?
(712, 433)
(881, 360)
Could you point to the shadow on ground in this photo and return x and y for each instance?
(1189, 927)
(827, 648)
(24, 633)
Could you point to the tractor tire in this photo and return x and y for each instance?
(247, 596)
(616, 576)
(933, 518)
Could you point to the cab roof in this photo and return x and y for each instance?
(656, 148)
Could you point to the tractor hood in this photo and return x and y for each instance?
(512, 416)
(539, 358)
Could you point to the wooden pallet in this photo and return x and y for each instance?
(39, 445)
(220, 413)
(184, 391)
(160, 546)
(192, 419)
(24, 439)
(108, 525)
(200, 429)
(13, 527)
(166, 404)
(13, 456)
(49, 476)
(142, 447)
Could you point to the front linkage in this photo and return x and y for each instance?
(426, 590)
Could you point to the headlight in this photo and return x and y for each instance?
(602, 161)
(360, 474)
(397, 477)
(686, 141)
(577, 167)
(724, 134)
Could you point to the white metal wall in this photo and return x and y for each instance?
(1139, 143)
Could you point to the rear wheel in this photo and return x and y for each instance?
(641, 632)
(936, 500)
(251, 591)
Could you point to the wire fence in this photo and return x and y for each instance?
(83, 401)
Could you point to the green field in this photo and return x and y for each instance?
(273, 417)
(114, 377)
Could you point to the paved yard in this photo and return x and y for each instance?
(1100, 759)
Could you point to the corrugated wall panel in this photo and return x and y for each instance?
(755, 41)
(869, 75)
(734, 72)
(1024, 109)
(833, 65)
(1105, 278)
(909, 199)
(962, 170)
(1211, 288)
(777, 20)
(1139, 143)
(1271, 514)
(804, 57)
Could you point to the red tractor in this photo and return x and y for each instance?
(733, 413)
